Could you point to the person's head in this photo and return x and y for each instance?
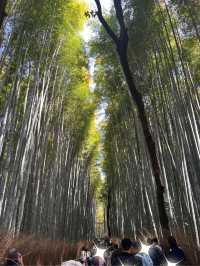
(115, 243)
(126, 244)
(154, 241)
(136, 247)
(84, 249)
(172, 242)
(107, 240)
(14, 256)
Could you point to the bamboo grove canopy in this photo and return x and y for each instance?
(50, 146)
(163, 58)
(46, 112)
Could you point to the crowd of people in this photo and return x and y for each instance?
(133, 253)
(112, 253)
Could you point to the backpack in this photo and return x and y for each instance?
(157, 256)
(146, 259)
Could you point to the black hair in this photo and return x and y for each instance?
(126, 244)
(84, 249)
(154, 240)
(172, 242)
(136, 244)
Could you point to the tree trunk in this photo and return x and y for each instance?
(121, 43)
(2, 11)
(137, 98)
(108, 213)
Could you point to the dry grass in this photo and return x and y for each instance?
(42, 252)
(38, 251)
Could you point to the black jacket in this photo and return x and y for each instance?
(120, 258)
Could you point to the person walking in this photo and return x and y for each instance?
(124, 255)
(175, 254)
(156, 253)
(109, 251)
(137, 251)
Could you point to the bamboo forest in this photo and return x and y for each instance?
(99, 127)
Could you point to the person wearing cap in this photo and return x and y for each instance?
(124, 255)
